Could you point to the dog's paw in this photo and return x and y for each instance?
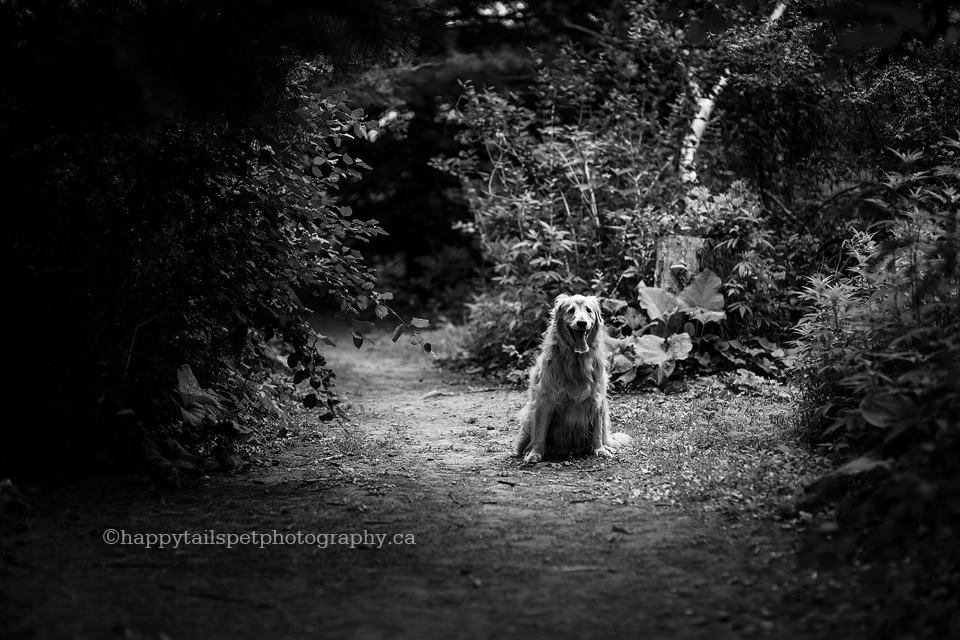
(532, 458)
(617, 440)
(603, 452)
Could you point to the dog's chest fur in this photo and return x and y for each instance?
(577, 404)
(570, 385)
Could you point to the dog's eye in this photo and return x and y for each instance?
(569, 309)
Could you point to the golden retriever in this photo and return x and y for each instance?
(567, 413)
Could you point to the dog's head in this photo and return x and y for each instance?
(577, 320)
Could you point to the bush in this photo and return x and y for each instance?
(879, 347)
(184, 222)
(880, 361)
(759, 262)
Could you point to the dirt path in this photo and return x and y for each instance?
(571, 549)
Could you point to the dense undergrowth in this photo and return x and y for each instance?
(179, 212)
(879, 365)
(574, 186)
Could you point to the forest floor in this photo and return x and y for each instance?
(687, 533)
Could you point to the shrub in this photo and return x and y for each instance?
(757, 260)
(879, 346)
(171, 225)
(880, 361)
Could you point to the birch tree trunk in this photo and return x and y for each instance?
(706, 103)
(679, 257)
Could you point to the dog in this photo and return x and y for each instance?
(567, 412)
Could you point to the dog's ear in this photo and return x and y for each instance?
(555, 312)
(558, 303)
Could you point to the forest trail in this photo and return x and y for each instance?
(568, 549)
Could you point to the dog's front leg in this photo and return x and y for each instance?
(601, 420)
(612, 441)
(539, 418)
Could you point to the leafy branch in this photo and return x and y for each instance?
(412, 328)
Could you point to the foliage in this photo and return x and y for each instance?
(519, 314)
(814, 104)
(878, 345)
(571, 190)
(673, 322)
(424, 260)
(179, 216)
(758, 260)
(744, 252)
(880, 360)
(563, 186)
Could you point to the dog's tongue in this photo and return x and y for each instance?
(580, 338)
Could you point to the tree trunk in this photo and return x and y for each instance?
(705, 104)
(678, 260)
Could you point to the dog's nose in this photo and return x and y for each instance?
(581, 324)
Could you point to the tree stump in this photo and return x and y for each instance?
(678, 260)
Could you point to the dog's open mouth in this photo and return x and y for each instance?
(579, 340)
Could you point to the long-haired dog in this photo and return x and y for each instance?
(567, 413)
